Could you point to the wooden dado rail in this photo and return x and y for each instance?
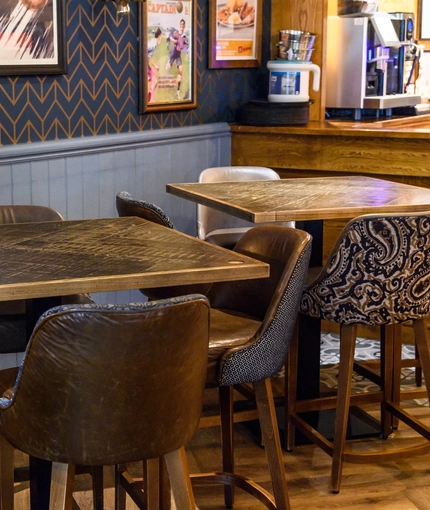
(397, 149)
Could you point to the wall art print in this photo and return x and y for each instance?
(235, 33)
(32, 37)
(167, 74)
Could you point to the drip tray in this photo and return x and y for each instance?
(265, 113)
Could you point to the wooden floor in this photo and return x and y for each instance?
(403, 485)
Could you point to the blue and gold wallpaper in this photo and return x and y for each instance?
(99, 93)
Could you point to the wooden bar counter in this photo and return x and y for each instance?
(396, 149)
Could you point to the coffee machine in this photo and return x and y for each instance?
(367, 60)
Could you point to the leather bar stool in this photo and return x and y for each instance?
(251, 325)
(105, 385)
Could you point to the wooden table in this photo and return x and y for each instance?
(100, 255)
(47, 259)
(311, 201)
(304, 199)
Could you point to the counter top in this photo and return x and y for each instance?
(405, 127)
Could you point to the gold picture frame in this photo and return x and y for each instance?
(167, 55)
(235, 32)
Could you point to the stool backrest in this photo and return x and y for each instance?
(108, 384)
(27, 213)
(274, 301)
(377, 273)
(210, 220)
(126, 205)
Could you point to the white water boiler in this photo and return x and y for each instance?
(289, 81)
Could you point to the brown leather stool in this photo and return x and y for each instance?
(105, 385)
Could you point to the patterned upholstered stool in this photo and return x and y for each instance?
(377, 274)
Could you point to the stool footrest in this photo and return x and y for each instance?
(237, 481)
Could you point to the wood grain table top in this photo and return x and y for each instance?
(100, 255)
(304, 199)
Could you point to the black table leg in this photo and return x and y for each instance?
(40, 480)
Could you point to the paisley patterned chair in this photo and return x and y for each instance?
(378, 274)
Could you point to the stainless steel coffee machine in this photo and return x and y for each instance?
(367, 62)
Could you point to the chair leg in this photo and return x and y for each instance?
(271, 440)
(120, 492)
(346, 363)
(290, 390)
(97, 482)
(227, 431)
(391, 347)
(62, 476)
(6, 474)
(418, 370)
(180, 481)
(422, 340)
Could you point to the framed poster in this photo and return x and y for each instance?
(235, 33)
(167, 74)
(32, 37)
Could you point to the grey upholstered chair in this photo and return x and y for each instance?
(126, 205)
(251, 325)
(221, 228)
(377, 274)
(105, 385)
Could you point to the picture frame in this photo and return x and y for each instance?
(167, 55)
(424, 23)
(235, 33)
(32, 37)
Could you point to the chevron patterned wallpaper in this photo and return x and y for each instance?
(99, 93)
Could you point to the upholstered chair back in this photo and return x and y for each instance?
(378, 273)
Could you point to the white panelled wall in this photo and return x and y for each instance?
(81, 177)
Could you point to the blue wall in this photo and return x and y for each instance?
(99, 93)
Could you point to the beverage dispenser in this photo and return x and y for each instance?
(366, 64)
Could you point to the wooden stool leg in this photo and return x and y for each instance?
(180, 482)
(6, 474)
(422, 340)
(62, 476)
(97, 482)
(227, 440)
(151, 483)
(291, 389)
(418, 370)
(271, 440)
(120, 492)
(391, 346)
(165, 499)
(397, 373)
(346, 363)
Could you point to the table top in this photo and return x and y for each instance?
(100, 255)
(304, 199)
